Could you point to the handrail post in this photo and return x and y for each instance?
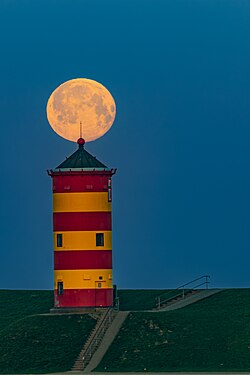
(183, 293)
(207, 282)
(117, 304)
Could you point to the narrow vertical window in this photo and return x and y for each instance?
(60, 287)
(109, 190)
(99, 285)
(99, 239)
(59, 240)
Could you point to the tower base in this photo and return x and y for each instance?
(78, 298)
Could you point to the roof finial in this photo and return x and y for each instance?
(81, 141)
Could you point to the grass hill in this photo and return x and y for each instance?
(32, 343)
(16, 304)
(141, 299)
(210, 335)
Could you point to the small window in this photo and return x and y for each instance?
(109, 195)
(109, 190)
(99, 239)
(59, 240)
(99, 285)
(60, 287)
(100, 277)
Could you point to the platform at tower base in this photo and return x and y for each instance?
(76, 310)
(72, 310)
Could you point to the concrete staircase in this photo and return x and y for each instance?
(196, 296)
(107, 340)
(104, 320)
(178, 298)
(183, 292)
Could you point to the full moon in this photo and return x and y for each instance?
(81, 107)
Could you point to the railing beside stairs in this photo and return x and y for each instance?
(183, 290)
(98, 336)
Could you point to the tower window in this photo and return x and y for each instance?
(59, 240)
(99, 239)
(100, 277)
(99, 285)
(109, 190)
(60, 287)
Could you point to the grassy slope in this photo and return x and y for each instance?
(146, 299)
(38, 343)
(210, 335)
(16, 304)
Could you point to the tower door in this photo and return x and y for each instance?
(100, 294)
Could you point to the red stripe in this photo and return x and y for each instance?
(84, 298)
(80, 183)
(71, 221)
(77, 260)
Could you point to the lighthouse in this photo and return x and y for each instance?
(82, 230)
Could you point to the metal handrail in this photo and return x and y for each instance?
(182, 289)
(96, 338)
(116, 306)
(190, 282)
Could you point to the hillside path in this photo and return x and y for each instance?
(107, 340)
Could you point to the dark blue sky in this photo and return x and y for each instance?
(180, 75)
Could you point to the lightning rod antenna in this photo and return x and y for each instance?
(80, 129)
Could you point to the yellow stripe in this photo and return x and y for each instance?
(83, 279)
(85, 240)
(81, 202)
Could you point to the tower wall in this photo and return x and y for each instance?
(82, 225)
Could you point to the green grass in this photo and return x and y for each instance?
(32, 343)
(210, 335)
(16, 304)
(39, 344)
(141, 299)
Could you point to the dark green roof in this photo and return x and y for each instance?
(81, 159)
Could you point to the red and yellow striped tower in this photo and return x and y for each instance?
(82, 195)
